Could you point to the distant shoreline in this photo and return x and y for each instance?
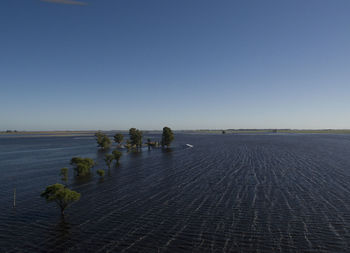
(276, 131)
(227, 131)
(47, 133)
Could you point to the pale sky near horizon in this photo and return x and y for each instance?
(187, 64)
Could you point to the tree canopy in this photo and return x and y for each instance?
(102, 140)
(167, 136)
(117, 155)
(135, 137)
(118, 138)
(82, 165)
(109, 159)
(61, 195)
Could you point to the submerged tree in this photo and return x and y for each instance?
(135, 137)
(61, 195)
(82, 165)
(64, 174)
(128, 145)
(101, 173)
(102, 140)
(117, 155)
(118, 138)
(109, 159)
(99, 136)
(167, 136)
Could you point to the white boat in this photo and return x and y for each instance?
(189, 145)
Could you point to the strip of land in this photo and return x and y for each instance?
(296, 131)
(216, 131)
(46, 133)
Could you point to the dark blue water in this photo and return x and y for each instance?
(230, 193)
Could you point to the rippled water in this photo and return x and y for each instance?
(230, 193)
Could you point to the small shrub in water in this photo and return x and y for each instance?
(101, 173)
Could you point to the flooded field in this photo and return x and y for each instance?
(229, 193)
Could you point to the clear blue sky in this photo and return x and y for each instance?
(188, 64)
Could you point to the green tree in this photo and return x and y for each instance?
(61, 195)
(102, 140)
(117, 155)
(101, 173)
(167, 136)
(118, 138)
(106, 142)
(82, 165)
(128, 145)
(99, 136)
(109, 159)
(64, 174)
(135, 137)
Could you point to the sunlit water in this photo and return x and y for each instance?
(229, 193)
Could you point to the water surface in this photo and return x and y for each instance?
(230, 193)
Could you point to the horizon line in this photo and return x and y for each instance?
(198, 129)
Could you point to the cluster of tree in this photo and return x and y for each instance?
(167, 136)
(64, 197)
(102, 140)
(135, 139)
(59, 193)
(109, 158)
(135, 136)
(82, 165)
